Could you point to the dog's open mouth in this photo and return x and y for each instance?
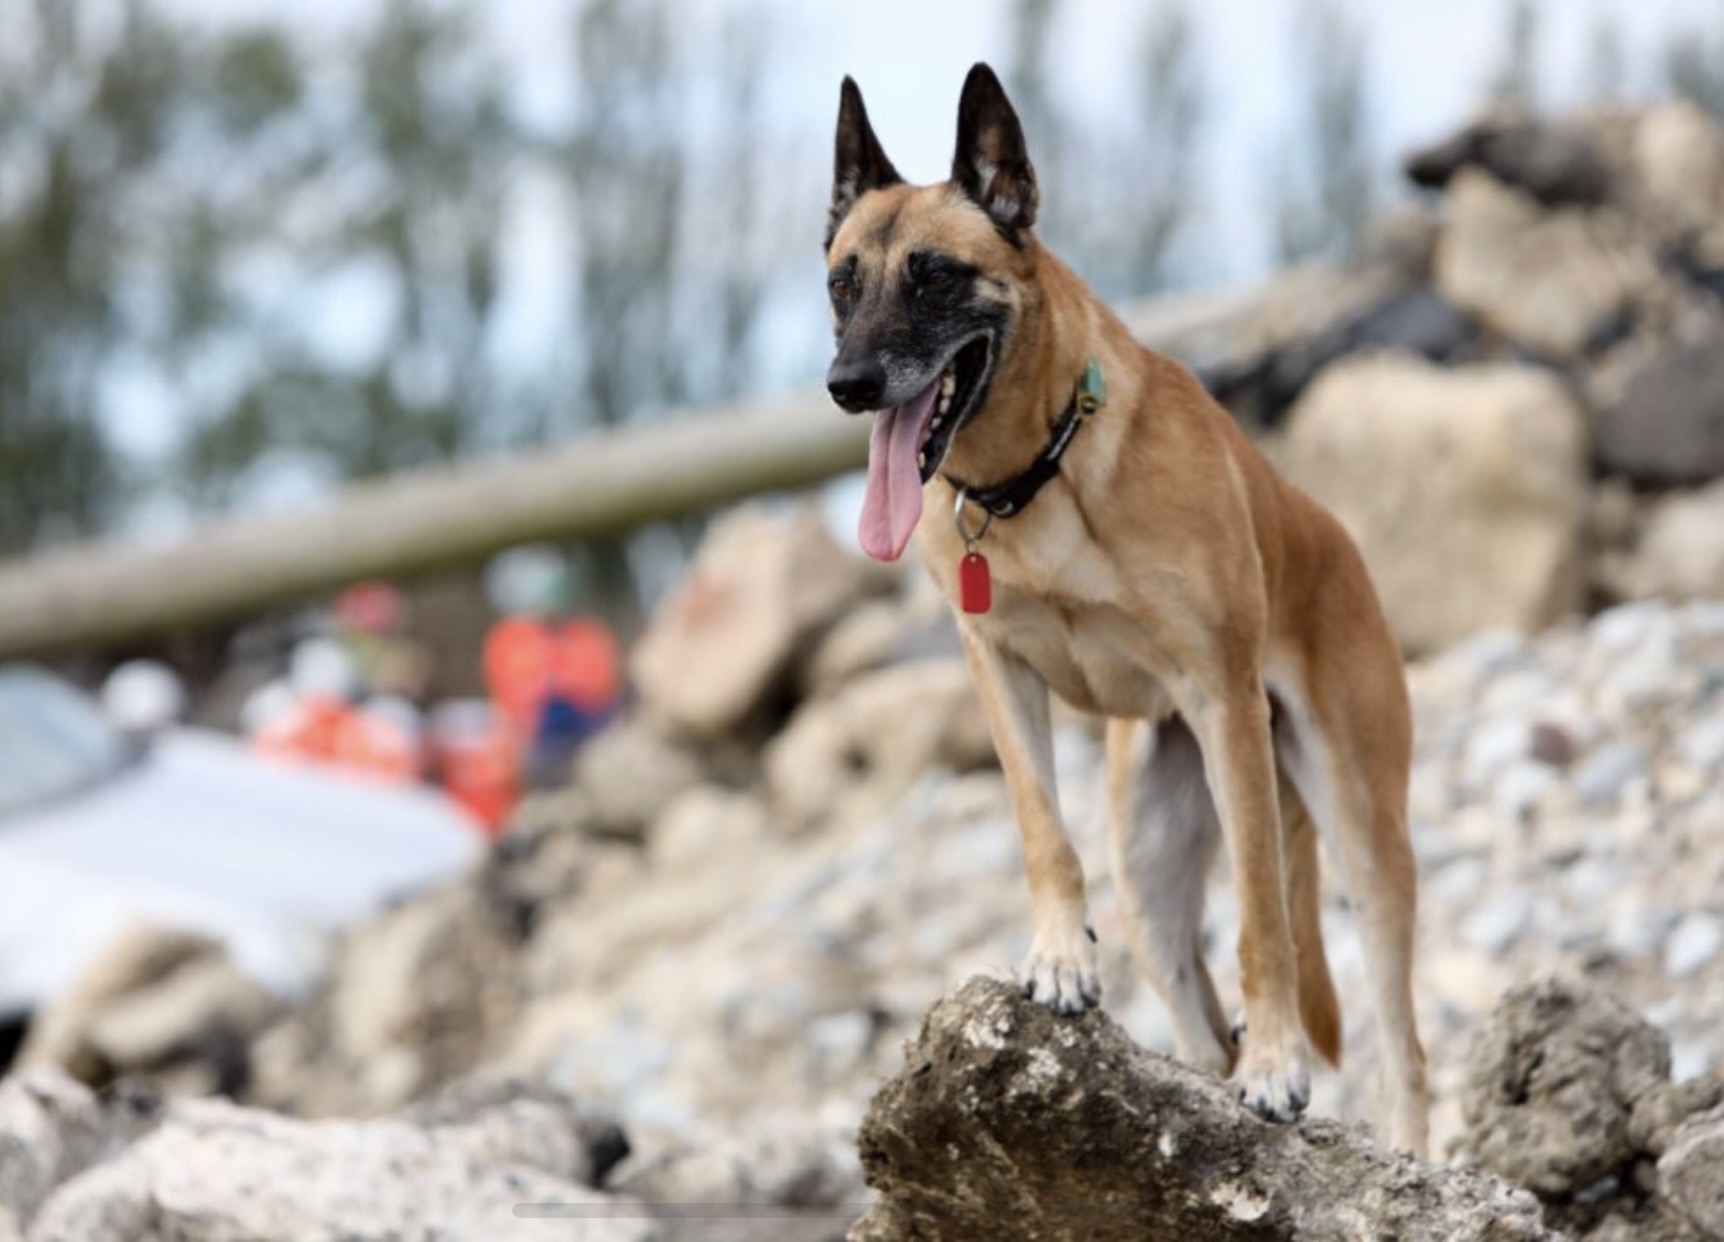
(910, 441)
(959, 386)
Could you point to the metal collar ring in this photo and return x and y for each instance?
(970, 540)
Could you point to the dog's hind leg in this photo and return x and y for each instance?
(1360, 804)
(1162, 836)
(1231, 723)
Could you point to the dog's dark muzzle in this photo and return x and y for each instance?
(857, 385)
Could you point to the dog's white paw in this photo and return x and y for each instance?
(1277, 1086)
(1061, 972)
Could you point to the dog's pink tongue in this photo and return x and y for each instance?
(893, 502)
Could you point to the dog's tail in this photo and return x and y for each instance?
(1319, 1009)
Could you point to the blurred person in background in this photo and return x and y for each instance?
(373, 625)
(553, 676)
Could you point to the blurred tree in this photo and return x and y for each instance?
(398, 204)
(1514, 86)
(1326, 192)
(1055, 146)
(1606, 62)
(135, 160)
(1113, 197)
(84, 120)
(624, 162)
(666, 170)
(736, 166)
(1159, 156)
(313, 272)
(1031, 26)
(624, 172)
(1694, 67)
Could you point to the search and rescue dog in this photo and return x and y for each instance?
(1105, 531)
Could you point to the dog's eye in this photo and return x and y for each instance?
(839, 288)
(939, 278)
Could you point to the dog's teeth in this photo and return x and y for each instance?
(922, 461)
(948, 386)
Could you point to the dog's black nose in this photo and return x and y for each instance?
(856, 386)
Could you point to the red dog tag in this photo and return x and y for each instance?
(975, 586)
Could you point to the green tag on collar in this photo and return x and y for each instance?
(1092, 388)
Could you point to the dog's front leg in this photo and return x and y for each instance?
(1061, 970)
(1273, 1070)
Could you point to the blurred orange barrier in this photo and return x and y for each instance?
(327, 730)
(482, 776)
(477, 760)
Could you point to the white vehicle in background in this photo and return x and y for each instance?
(103, 828)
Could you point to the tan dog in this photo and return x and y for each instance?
(1146, 563)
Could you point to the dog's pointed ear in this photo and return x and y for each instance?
(991, 163)
(859, 163)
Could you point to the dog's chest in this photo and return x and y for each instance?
(1091, 655)
(1061, 606)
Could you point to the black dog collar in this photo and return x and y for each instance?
(1007, 499)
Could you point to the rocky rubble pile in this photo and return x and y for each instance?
(1004, 1121)
(474, 1163)
(1067, 1129)
(1569, 1093)
(159, 1003)
(1568, 794)
(724, 948)
(1515, 373)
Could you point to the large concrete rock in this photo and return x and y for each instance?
(1555, 1077)
(1465, 489)
(1303, 318)
(411, 1001)
(762, 588)
(785, 1163)
(1556, 166)
(1678, 164)
(526, 1121)
(158, 1003)
(879, 633)
(705, 823)
(856, 752)
(1555, 282)
(1259, 390)
(212, 1171)
(1668, 425)
(52, 1128)
(1008, 1120)
(1691, 1173)
(1568, 1093)
(628, 775)
(1680, 550)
